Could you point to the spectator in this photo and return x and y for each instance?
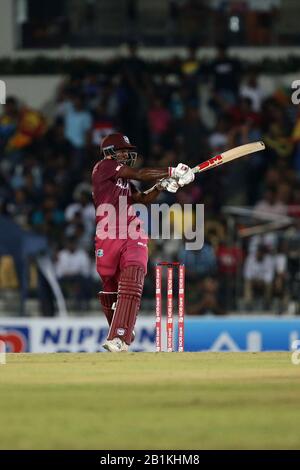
(192, 135)
(281, 277)
(199, 263)
(251, 89)
(8, 121)
(133, 66)
(31, 127)
(85, 208)
(230, 260)
(296, 140)
(73, 269)
(20, 128)
(48, 212)
(159, 120)
(190, 70)
(91, 89)
(270, 204)
(19, 208)
(259, 275)
(242, 113)
(278, 142)
(203, 298)
(218, 139)
(226, 75)
(78, 122)
(56, 141)
(103, 125)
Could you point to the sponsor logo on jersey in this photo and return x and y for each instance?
(121, 183)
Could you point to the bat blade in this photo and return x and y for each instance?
(229, 155)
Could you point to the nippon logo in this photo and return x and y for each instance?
(2, 92)
(2, 353)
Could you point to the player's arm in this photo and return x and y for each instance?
(181, 172)
(143, 174)
(149, 196)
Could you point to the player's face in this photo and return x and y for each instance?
(122, 155)
(126, 157)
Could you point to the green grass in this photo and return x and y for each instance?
(150, 401)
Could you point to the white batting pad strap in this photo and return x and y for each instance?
(103, 292)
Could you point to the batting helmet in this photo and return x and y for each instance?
(112, 143)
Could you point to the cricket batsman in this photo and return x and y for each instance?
(121, 259)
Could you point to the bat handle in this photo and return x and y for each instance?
(156, 186)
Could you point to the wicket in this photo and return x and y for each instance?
(158, 309)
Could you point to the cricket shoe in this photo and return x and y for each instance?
(115, 345)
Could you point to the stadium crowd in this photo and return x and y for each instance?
(201, 109)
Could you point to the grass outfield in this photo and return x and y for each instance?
(150, 401)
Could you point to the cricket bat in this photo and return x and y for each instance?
(229, 155)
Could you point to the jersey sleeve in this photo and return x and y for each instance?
(106, 170)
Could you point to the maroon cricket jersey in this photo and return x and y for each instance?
(108, 188)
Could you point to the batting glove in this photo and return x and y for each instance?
(178, 171)
(170, 185)
(187, 178)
